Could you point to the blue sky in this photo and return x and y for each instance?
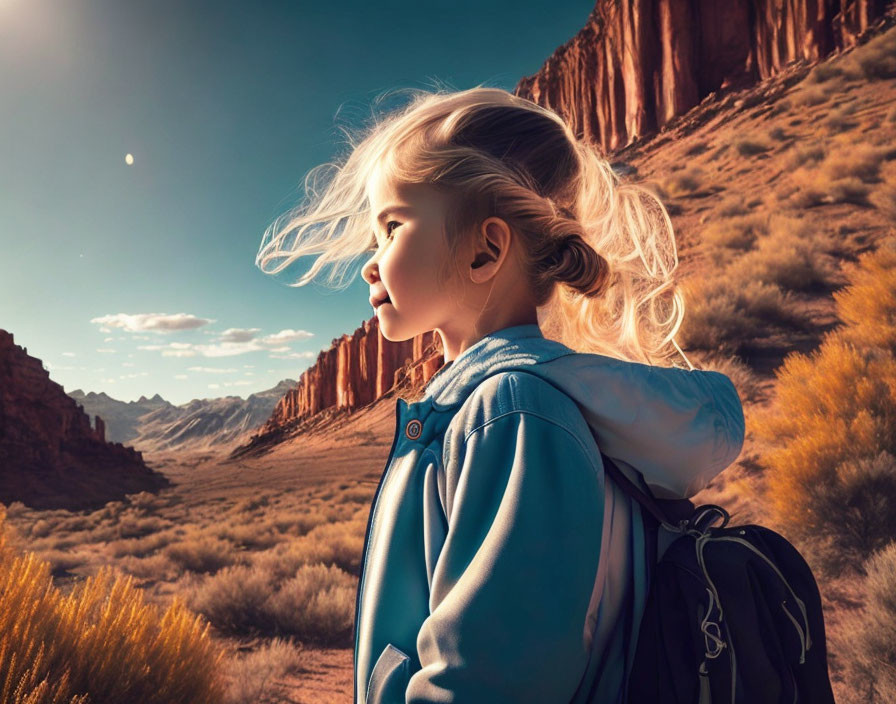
(141, 279)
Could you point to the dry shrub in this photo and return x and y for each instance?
(155, 567)
(299, 523)
(337, 544)
(875, 60)
(317, 605)
(139, 547)
(738, 232)
(832, 407)
(254, 536)
(801, 155)
(251, 504)
(868, 305)
(832, 481)
(860, 505)
(884, 199)
(751, 146)
(251, 676)
(794, 255)
(682, 184)
(204, 553)
(234, 599)
(869, 638)
(808, 96)
(358, 494)
(824, 72)
(99, 643)
(41, 528)
(861, 161)
(849, 190)
(727, 313)
(62, 561)
(131, 525)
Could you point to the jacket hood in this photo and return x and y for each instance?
(675, 427)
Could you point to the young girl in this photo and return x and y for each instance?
(499, 564)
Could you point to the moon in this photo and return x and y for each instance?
(129, 159)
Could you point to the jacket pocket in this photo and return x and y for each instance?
(389, 680)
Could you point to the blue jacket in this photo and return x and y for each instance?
(499, 566)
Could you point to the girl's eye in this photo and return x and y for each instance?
(374, 246)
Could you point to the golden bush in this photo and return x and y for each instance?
(99, 643)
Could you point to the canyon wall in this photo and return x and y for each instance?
(639, 63)
(356, 370)
(50, 456)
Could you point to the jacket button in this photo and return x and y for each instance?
(413, 429)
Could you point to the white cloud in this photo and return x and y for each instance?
(211, 370)
(214, 386)
(172, 349)
(238, 334)
(68, 354)
(294, 355)
(151, 322)
(109, 339)
(128, 364)
(248, 366)
(231, 348)
(248, 373)
(287, 335)
(133, 376)
(105, 350)
(181, 376)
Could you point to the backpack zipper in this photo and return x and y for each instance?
(805, 640)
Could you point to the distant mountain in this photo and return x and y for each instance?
(122, 418)
(155, 424)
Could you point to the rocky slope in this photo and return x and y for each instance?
(638, 64)
(50, 456)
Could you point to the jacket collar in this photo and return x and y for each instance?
(515, 346)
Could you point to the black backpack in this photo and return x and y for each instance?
(733, 614)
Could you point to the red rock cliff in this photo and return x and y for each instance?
(356, 370)
(50, 457)
(639, 63)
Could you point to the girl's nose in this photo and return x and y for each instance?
(369, 271)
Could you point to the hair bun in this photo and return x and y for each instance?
(578, 265)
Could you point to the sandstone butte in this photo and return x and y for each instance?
(50, 456)
(633, 68)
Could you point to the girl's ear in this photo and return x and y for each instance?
(489, 250)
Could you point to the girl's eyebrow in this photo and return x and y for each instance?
(392, 209)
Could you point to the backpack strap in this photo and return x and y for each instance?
(669, 512)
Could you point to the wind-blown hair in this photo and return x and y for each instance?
(608, 244)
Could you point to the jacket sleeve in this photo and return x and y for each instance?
(513, 584)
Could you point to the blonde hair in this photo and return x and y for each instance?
(609, 244)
